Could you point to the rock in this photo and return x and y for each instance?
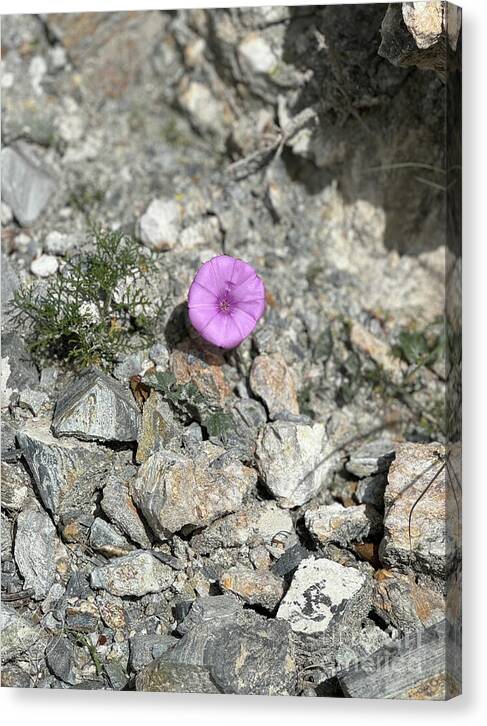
(26, 187)
(324, 596)
(424, 21)
(203, 367)
(44, 266)
(35, 549)
(294, 460)
(135, 575)
(58, 243)
(254, 524)
(10, 282)
(255, 587)
(272, 381)
(159, 354)
(404, 603)
(248, 416)
(205, 232)
(160, 225)
(174, 490)
(343, 525)
(371, 459)
(158, 427)
(18, 634)
(244, 652)
(61, 660)
(96, 408)
(112, 611)
(162, 675)
(119, 507)
(59, 467)
(378, 351)
(18, 368)
(146, 648)
(371, 490)
(33, 400)
(418, 507)
(16, 487)
(257, 54)
(107, 541)
(204, 110)
(83, 618)
(290, 559)
(206, 610)
(6, 215)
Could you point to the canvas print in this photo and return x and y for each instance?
(231, 351)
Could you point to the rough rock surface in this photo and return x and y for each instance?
(255, 587)
(294, 460)
(26, 187)
(18, 633)
(35, 549)
(96, 408)
(272, 382)
(343, 525)
(135, 574)
(175, 491)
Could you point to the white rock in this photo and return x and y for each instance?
(136, 574)
(6, 392)
(44, 266)
(160, 226)
(6, 214)
(22, 242)
(256, 52)
(37, 71)
(57, 243)
(204, 109)
(323, 593)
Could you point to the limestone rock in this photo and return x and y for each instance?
(26, 186)
(119, 507)
(408, 605)
(324, 595)
(107, 541)
(371, 459)
(18, 633)
(174, 490)
(158, 427)
(294, 460)
(96, 408)
(164, 676)
(342, 525)
(272, 381)
(15, 487)
(135, 574)
(256, 587)
(160, 225)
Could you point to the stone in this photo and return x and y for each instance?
(272, 381)
(26, 186)
(378, 351)
(160, 225)
(19, 634)
(371, 490)
(58, 243)
(421, 519)
(290, 559)
(33, 400)
(22, 372)
(174, 490)
(255, 587)
(253, 524)
(35, 549)
(135, 574)
(6, 215)
(257, 54)
(206, 610)
(424, 21)
(203, 367)
(44, 266)
(118, 506)
(342, 525)
(159, 354)
(244, 652)
(371, 459)
(248, 416)
(65, 471)
(16, 487)
(163, 676)
(204, 110)
(83, 618)
(206, 232)
(10, 283)
(324, 596)
(60, 659)
(158, 427)
(406, 604)
(146, 648)
(107, 541)
(96, 408)
(294, 460)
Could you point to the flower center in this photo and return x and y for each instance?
(224, 305)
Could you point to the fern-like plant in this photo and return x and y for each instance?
(88, 312)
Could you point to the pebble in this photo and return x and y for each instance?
(44, 266)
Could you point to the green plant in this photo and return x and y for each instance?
(88, 312)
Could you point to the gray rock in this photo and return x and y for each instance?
(33, 400)
(160, 225)
(18, 634)
(406, 604)
(59, 466)
(119, 507)
(371, 459)
(135, 574)
(26, 186)
(290, 559)
(294, 460)
(248, 415)
(324, 596)
(10, 282)
(158, 427)
(175, 490)
(272, 381)
(421, 520)
(22, 370)
(206, 610)
(250, 655)
(255, 587)
(96, 408)
(371, 490)
(107, 541)
(146, 648)
(35, 549)
(61, 660)
(15, 487)
(343, 525)
(164, 676)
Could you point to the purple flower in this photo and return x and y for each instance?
(226, 299)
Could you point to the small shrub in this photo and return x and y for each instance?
(87, 313)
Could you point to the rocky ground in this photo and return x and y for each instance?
(143, 548)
